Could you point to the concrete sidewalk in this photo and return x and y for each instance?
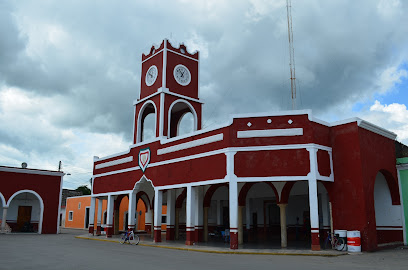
(145, 240)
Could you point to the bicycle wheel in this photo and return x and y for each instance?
(341, 244)
(123, 239)
(134, 240)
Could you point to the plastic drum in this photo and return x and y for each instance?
(354, 241)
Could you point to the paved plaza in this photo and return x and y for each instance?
(64, 251)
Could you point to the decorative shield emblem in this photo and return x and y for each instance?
(144, 158)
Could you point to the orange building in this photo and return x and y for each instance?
(78, 211)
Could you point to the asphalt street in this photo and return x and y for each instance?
(64, 251)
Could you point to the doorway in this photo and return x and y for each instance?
(24, 218)
(86, 218)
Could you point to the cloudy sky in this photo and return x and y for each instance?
(70, 70)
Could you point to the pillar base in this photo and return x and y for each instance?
(190, 238)
(109, 232)
(91, 229)
(315, 241)
(157, 236)
(233, 240)
(170, 232)
(98, 230)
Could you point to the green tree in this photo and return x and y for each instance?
(84, 189)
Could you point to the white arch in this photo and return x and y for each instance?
(191, 109)
(41, 204)
(142, 182)
(139, 120)
(3, 201)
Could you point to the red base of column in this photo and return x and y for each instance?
(98, 230)
(233, 240)
(190, 238)
(157, 236)
(199, 235)
(91, 229)
(170, 232)
(315, 241)
(109, 231)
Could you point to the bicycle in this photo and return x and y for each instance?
(335, 242)
(130, 237)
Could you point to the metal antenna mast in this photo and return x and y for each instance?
(291, 54)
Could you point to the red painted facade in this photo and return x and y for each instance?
(46, 184)
(284, 147)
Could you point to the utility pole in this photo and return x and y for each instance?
(291, 54)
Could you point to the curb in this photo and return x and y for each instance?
(218, 251)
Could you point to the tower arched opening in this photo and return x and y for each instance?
(147, 122)
(182, 118)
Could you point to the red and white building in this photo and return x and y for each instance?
(30, 200)
(262, 174)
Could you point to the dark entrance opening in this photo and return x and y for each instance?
(86, 218)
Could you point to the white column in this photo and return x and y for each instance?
(92, 215)
(190, 214)
(313, 200)
(190, 207)
(171, 207)
(99, 217)
(314, 206)
(171, 213)
(109, 216)
(233, 213)
(131, 211)
(158, 202)
(4, 219)
(198, 220)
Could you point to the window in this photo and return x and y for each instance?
(70, 215)
(79, 205)
(164, 219)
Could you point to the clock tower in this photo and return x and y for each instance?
(169, 89)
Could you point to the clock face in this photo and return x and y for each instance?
(182, 75)
(151, 75)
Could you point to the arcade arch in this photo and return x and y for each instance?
(182, 118)
(388, 216)
(298, 212)
(25, 211)
(146, 122)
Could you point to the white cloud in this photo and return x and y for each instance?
(393, 117)
(389, 78)
(388, 8)
(28, 134)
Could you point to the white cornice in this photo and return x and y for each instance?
(31, 171)
(376, 129)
